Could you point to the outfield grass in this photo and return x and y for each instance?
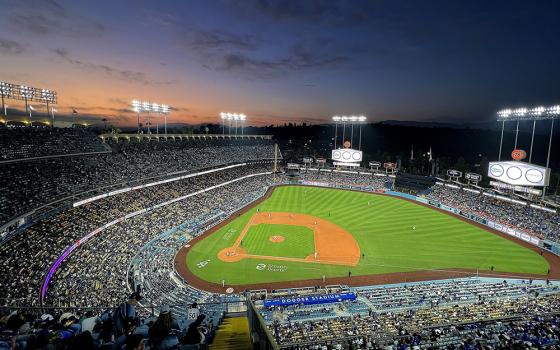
(382, 227)
(298, 241)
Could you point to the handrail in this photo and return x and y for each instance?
(262, 325)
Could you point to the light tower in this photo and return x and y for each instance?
(353, 119)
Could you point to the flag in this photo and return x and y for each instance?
(74, 111)
(412, 153)
(431, 158)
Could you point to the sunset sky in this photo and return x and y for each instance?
(284, 60)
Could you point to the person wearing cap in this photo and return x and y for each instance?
(163, 333)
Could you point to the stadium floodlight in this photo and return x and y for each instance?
(520, 112)
(350, 119)
(146, 106)
(232, 117)
(6, 89)
(139, 106)
(504, 113)
(26, 91)
(535, 113)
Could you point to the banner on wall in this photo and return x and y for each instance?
(311, 299)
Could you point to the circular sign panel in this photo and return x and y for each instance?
(514, 173)
(356, 156)
(346, 155)
(534, 176)
(497, 170)
(518, 154)
(336, 155)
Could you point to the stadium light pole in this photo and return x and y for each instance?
(361, 119)
(235, 118)
(136, 107)
(336, 120)
(147, 107)
(27, 94)
(223, 118)
(31, 108)
(554, 112)
(520, 113)
(343, 128)
(165, 110)
(242, 118)
(537, 112)
(52, 115)
(5, 91)
(155, 108)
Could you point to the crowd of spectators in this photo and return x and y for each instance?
(96, 273)
(21, 143)
(41, 244)
(490, 315)
(343, 179)
(26, 185)
(120, 327)
(538, 222)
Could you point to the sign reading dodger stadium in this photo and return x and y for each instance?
(519, 173)
(347, 155)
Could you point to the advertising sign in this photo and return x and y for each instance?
(375, 164)
(521, 189)
(390, 165)
(454, 173)
(347, 155)
(473, 177)
(311, 299)
(519, 173)
(518, 154)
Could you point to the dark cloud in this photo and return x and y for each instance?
(125, 75)
(11, 47)
(252, 57)
(298, 58)
(48, 17)
(221, 40)
(333, 12)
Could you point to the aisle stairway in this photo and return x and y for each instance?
(232, 334)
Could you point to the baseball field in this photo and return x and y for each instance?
(308, 233)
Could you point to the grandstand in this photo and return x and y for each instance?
(93, 225)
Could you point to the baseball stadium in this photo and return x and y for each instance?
(315, 175)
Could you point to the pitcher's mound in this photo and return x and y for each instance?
(276, 239)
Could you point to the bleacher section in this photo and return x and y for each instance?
(411, 182)
(23, 143)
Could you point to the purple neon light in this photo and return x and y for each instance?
(54, 267)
